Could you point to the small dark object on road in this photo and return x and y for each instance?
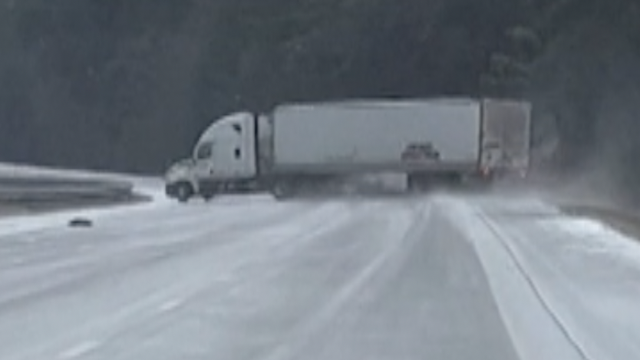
(80, 222)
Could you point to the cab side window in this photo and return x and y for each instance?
(204, 151)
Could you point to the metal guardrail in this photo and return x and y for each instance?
(21, 189)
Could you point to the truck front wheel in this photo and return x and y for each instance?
(281, 190)
(184, 191)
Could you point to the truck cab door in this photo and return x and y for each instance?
(234, 151)
(220, 159)
(204, 161)
(230, 157)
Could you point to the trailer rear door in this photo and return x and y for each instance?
(506, 132)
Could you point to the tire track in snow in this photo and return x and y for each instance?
(290, 348)
(539, 293)
(511, 282)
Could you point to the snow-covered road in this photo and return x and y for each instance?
(443, 277)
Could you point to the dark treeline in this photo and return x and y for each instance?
(129, 84)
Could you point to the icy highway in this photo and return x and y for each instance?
(439, 277)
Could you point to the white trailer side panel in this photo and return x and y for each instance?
(373, 135)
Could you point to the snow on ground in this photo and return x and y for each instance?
(246, 277)
(587, 274)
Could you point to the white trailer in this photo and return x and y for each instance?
(354, 137)
(300, 145)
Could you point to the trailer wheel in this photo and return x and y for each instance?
(279, 192)
(419, 183)
(208, 196)
(282, 190)
(184, 191)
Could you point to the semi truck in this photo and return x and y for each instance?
(307, 146)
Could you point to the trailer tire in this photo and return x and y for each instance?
(451, 181)
(283, 189)
(184, 192)
(419, 183)
(280, 192)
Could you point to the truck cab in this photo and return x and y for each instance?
(223, 159)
